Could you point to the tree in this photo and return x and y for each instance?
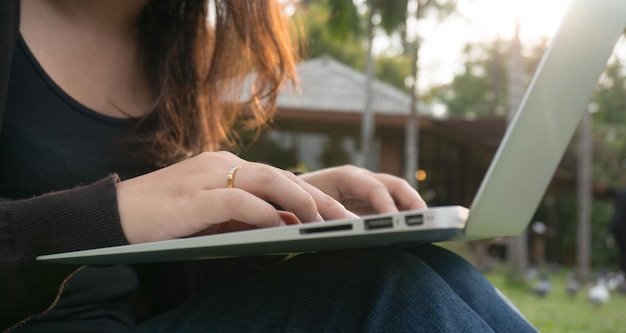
(609, 125)
(389, 16)
(412, 127)
(481, 89)
(322, 41)
(345, 22)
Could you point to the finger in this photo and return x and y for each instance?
(356, 208)
(276, 185)
(232, 225)
(327, 206)
(361, 185)
(405, 196)
(288, 217)
(222, 205)
(273, 184)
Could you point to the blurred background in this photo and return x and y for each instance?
(423, 89)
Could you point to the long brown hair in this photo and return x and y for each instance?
(199, 70)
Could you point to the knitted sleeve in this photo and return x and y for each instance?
(77, 219)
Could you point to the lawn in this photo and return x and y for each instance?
(559, 312)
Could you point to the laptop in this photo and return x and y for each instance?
(514, 184)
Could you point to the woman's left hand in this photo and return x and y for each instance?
(364, 192)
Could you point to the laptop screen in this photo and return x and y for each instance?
(547, 118)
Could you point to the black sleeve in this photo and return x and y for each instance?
(81, 218)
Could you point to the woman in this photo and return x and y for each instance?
(113, 114)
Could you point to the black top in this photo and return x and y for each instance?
(50, 142)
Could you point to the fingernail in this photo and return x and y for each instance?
(281, 223)
(351, 215)
(319, 218)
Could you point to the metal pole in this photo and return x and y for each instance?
(367, 124)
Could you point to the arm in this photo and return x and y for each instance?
(81, 218)
(181, 200)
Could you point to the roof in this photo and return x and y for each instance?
(328, 85)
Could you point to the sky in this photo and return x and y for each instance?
(480, 20)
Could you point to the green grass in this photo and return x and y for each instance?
(558, 312)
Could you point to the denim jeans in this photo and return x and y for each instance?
(421, 289)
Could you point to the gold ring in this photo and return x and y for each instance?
(230, 177)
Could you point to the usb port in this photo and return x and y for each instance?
(381, 223)
(417, 219)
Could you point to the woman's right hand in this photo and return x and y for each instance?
(191, 197)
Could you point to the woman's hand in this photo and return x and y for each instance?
(191, 197)
(365, 192)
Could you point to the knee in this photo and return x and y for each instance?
(367, 269)
(371, 276)
(360, 261)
